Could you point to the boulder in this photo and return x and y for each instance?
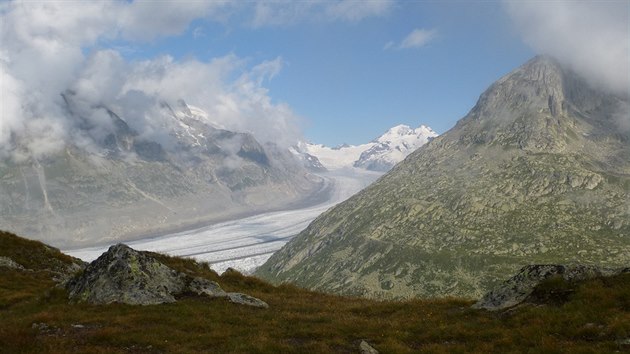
(124, 275)
(518, 288)
(7, 262)
(201, 286)
(366, 348)
(244, 299)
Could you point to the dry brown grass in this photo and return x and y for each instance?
(595, 319)
(32, 254)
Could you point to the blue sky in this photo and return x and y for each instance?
(329, 71)
(346, 86)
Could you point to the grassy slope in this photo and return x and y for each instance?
(595, 318)
(33, 254)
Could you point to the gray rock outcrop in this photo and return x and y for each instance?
(7, 262)
(243, 299)
(517, 289)
(124, 275)
(366, 348)
(70, 271)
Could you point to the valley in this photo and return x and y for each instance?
(246, 243)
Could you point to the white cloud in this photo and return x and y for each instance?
(43, 68)
(416, 39)
(146, 20)
(271, 122)
(353, 10)
(283, 12)
(592, 37)
(289, 12)
(198, 32)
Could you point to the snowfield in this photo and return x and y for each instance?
(245, 244)
(336, 158)
(381, 154)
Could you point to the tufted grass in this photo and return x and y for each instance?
(594, 318)
(32, 254)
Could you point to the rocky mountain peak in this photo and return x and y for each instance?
(535, 83)
(538, 107)
(398, 130)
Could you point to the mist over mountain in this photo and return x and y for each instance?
(115, 182)
(537, 172)
(60, 78)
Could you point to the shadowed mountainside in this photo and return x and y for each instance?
(120, 185)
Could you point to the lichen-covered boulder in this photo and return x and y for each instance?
(124, 275)
(201, 286)
(6, 262)
(366, 348)
(243, 299)
(517, 289)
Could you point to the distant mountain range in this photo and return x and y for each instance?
(381, 154)
(117, 184)
(111, 182)
(538, 172)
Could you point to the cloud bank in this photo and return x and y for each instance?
(593, 38)
(50, 61)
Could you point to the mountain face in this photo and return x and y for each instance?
(380, 154)
(124, 185)
(537, 172)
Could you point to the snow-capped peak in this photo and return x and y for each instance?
(394, 132)
(393, 146)
(381, 154)
(403, 132)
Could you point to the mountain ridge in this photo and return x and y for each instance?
(535, 173)
(114, 183)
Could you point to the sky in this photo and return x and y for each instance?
(326, 71)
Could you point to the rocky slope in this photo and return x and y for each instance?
(537, 172)
(108, 185)
(522, 287)
(32, 256)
